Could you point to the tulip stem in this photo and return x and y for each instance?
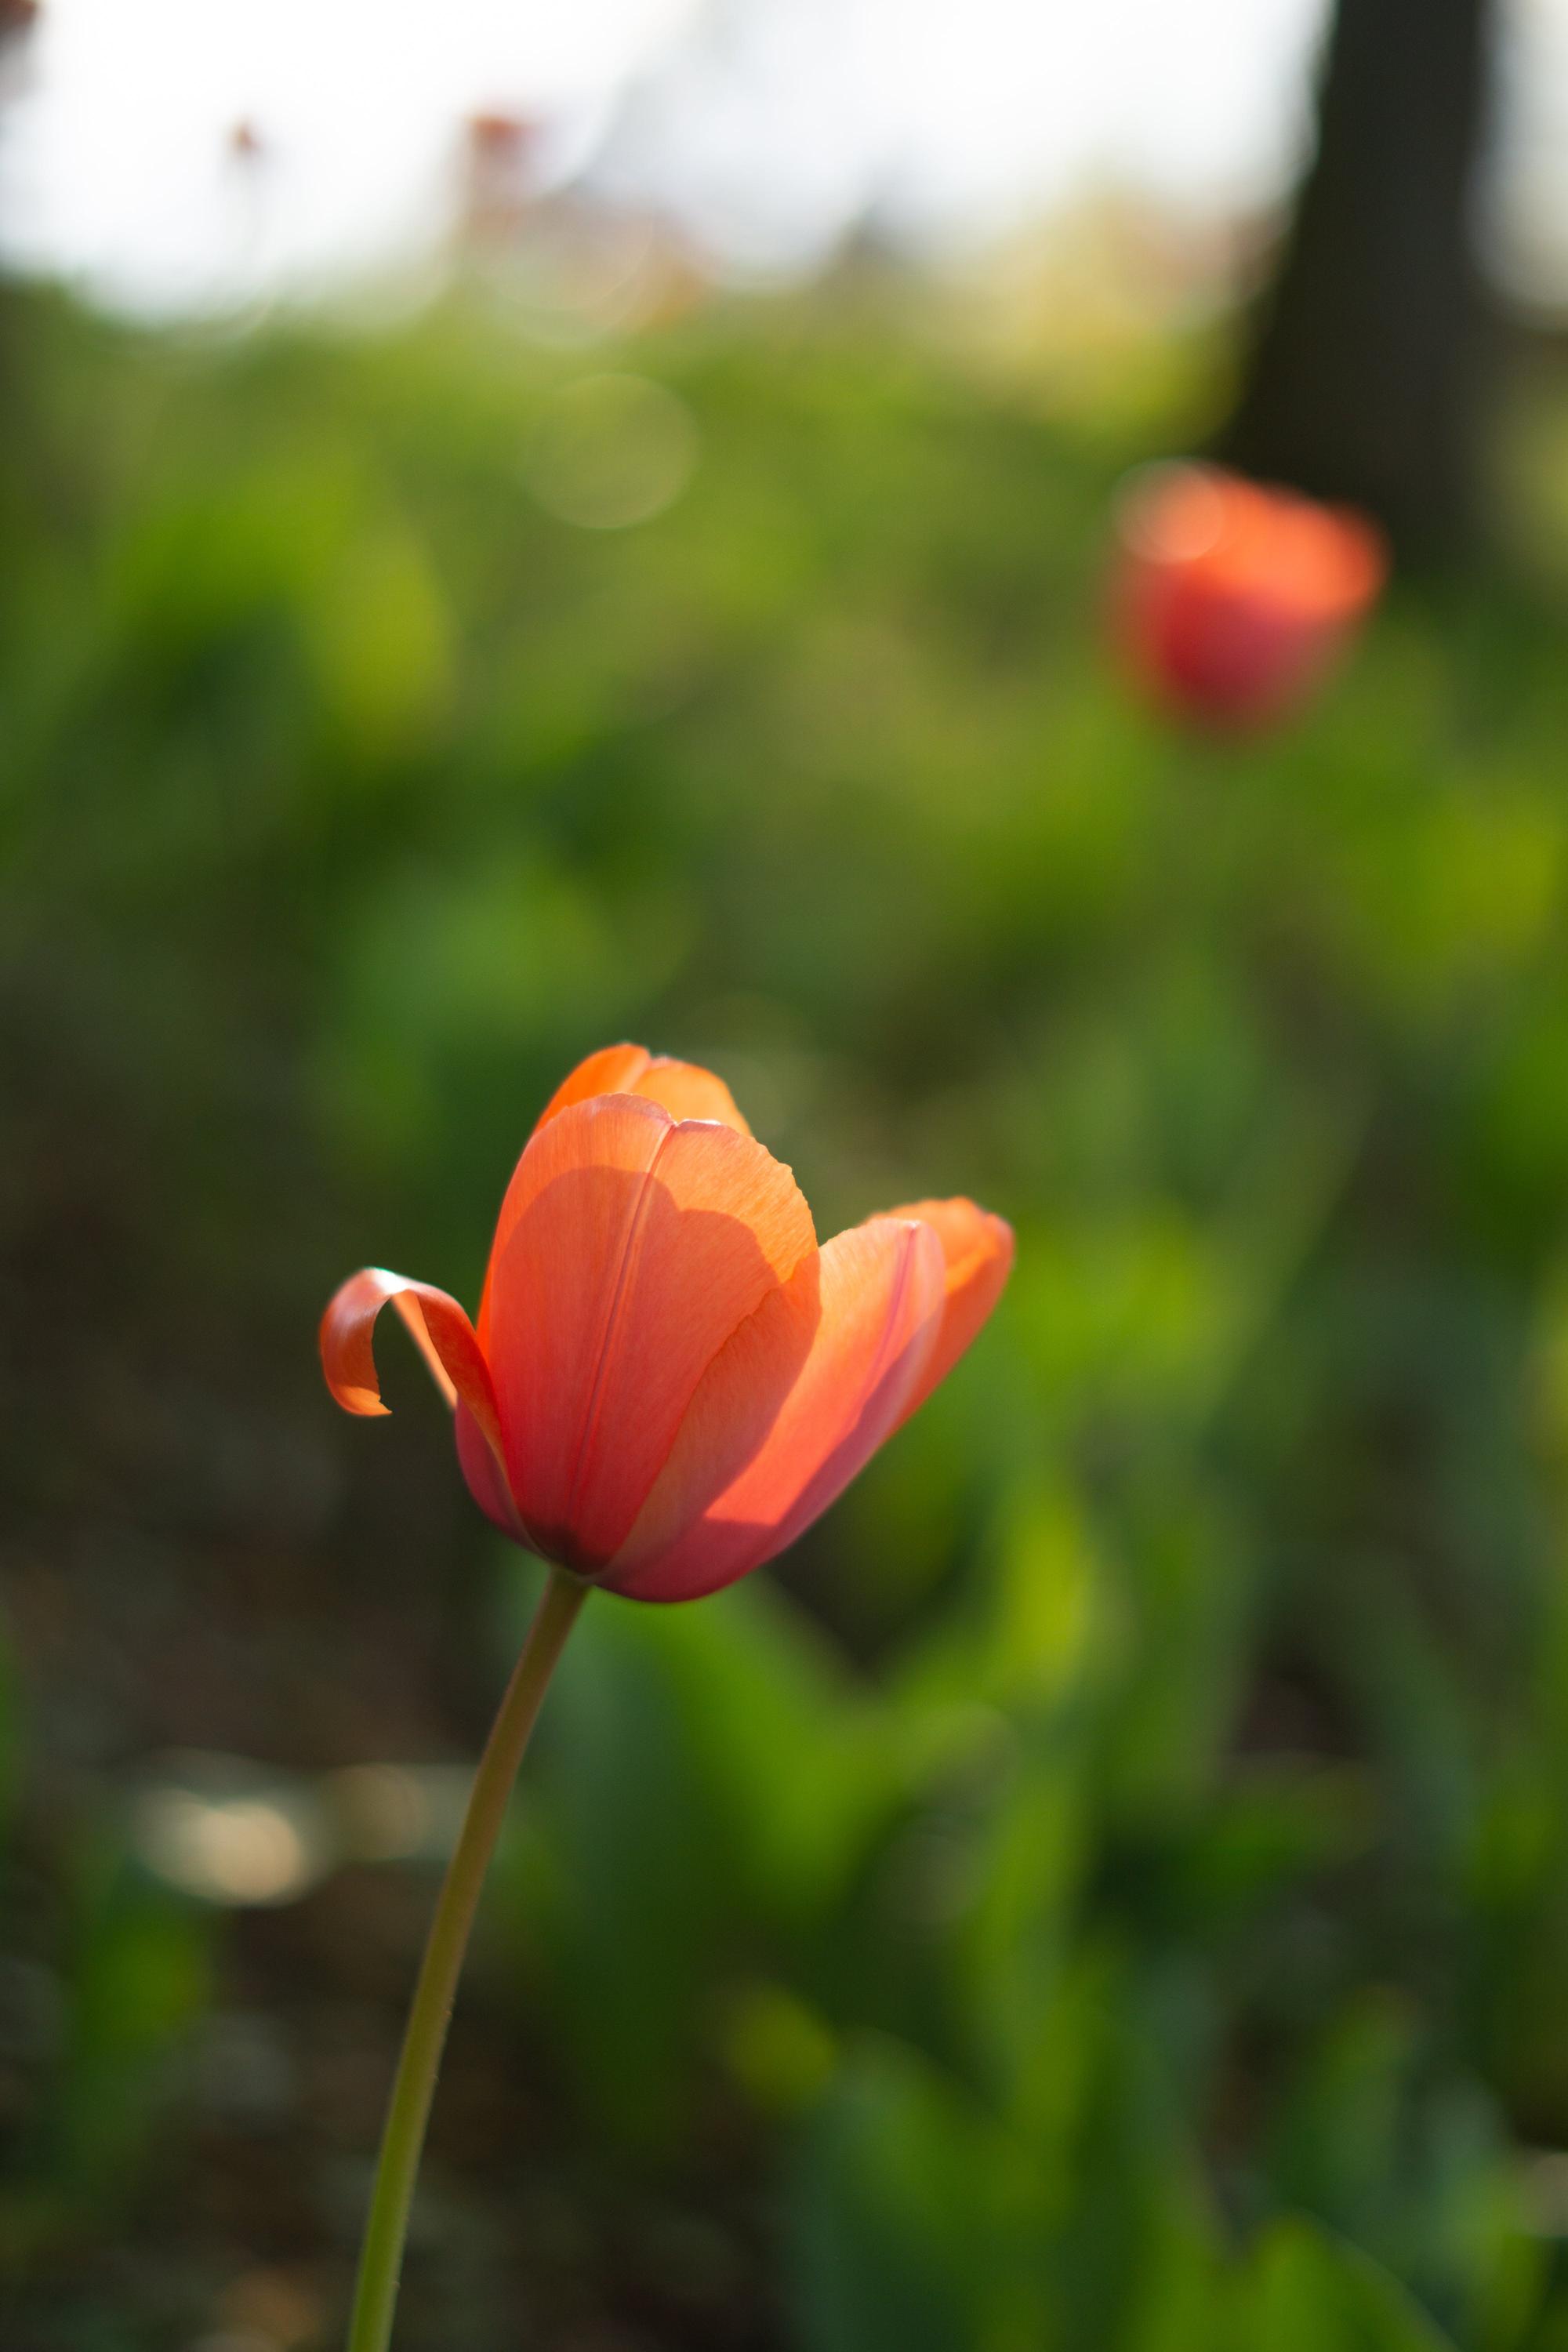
(402, 2139)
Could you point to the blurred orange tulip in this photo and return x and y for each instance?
(1231, 600)
(669, 1380)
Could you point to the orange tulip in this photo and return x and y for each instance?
(669, 1380)
(1232, 600)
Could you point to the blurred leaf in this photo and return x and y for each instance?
(1272, 1827)
(893, 2227)
(381, 634)
(138, 1982)
(780, 2052)
(711, 1778)
(1306, 2291)
(1339, 2135)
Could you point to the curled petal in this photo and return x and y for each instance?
(439, 1329)
(977, 1248)
(685, 1089)
(858, 1331)
(630, 1246)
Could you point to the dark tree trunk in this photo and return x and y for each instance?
(1367, 377)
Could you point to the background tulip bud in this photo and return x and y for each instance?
(1231, 600)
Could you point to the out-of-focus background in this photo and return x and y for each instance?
(520, 529)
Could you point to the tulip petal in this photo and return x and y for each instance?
(686, 1090)
(613, 1070)
(438, 1328)
(734, 1408)
(870, 1329)
(683, 1089)
(689, 1091)
(629, 1248)
(978, 1250)
(481, 1466)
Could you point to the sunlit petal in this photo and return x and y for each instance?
(631, 1245)
(685, 1088)
(613, 1070)
(863, 1333)
(689, 1091)
(977, 1248)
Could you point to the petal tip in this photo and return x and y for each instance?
(364, 1402)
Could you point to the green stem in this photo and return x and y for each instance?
(375, 2294)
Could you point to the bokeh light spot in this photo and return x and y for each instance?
(610, 451)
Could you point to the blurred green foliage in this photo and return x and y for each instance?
(1109, 1892)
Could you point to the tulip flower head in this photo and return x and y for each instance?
(668, 1379)
(1232, 600)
